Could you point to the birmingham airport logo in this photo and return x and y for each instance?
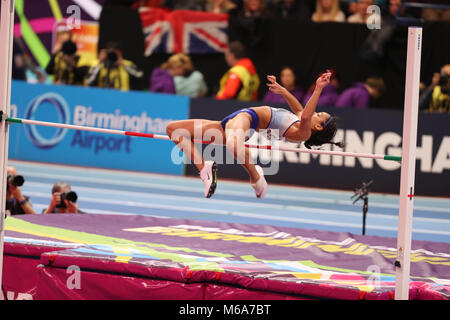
(62, 111)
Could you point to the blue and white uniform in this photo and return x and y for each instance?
(280, 121)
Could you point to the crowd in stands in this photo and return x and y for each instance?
(315, 10)
(246, 25)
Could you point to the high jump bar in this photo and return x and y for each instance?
(165, 137)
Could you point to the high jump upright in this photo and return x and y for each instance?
(6, 45)
(408, 167)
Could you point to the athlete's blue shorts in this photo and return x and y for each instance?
(251, 112)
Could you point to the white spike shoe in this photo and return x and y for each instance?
(260, 186)
(209, 178)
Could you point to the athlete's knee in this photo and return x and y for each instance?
(174, 130)
(234, 141)
(230, 144)
(235, 144)
(170, 128)
(178, 134)
(230, 138)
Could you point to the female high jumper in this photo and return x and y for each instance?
(302, 124)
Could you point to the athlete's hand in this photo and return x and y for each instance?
(323, 80)
(274, 86)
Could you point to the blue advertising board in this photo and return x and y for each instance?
(103, 108)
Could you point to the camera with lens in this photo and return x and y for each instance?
(69, 48)
(16, 181)
(111, 58)
(69, 196)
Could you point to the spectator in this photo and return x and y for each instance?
(241, 81)
(22, 63)
(352, 5)
(249, 24)
(254, 8)
(191, 82)
(63, 34)
(362, 15)
(429, 14)
(374, 47)
(112, 70)
(360, 94)
(162, 78)
(64, 65)
(177, 76)
(122, 3)
(288, 80)
(425, 91)
(64, 200)
(329, 94)
(393, 7)
(295, 9)
(148, 3)
(328, 11)
(16, 202)
(220, 6)
(348, 6)
(436, 98)
(198, 5)
(18, 65)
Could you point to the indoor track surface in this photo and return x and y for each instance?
(119, 192)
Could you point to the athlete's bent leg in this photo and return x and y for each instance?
(182, 133)
(236, 133)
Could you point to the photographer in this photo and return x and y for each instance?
(16, 202)
(65, 65)
(64, 200)
(112, 70)
(436, 98)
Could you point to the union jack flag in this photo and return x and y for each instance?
(183, 31)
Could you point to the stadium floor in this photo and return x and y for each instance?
(121, 192)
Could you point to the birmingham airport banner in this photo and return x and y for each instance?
(373, 131)
(102, 108)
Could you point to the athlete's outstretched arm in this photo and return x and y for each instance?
(311, 105)
(310, 108)
(275, 87)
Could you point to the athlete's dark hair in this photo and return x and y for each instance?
(325, 136)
